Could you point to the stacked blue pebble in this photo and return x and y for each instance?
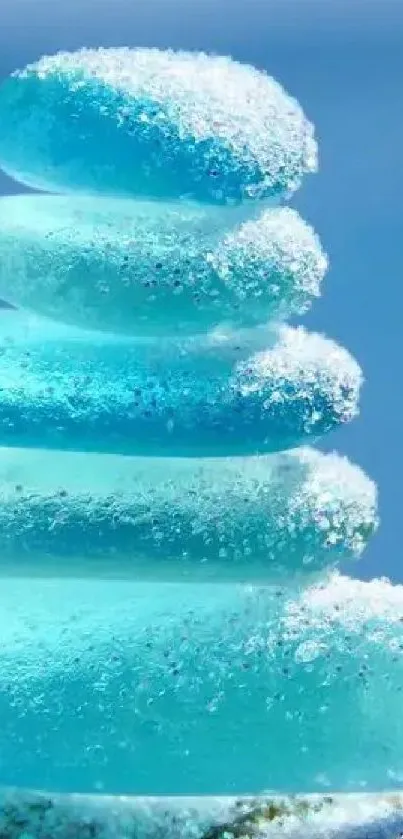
(156, 422)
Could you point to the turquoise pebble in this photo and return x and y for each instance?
(146, 269)
(238, 519)
(209, 396)
(118, 688)
(151, 123)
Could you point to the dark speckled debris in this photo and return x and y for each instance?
(25, 815)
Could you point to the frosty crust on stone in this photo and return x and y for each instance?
(161, 124)
(147, 269)
(275, 684)
(67, 391)
(235, 519)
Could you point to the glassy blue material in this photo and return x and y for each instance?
(134, 688)
(155, 124)
(243, 519)
(155, 268)
(149, 480)
(221, 396)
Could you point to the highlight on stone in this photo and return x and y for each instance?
(155, 268)
(226, 519)
(272, 683)
(152, 123)
(68, 391)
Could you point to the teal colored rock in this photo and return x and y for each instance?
(171, 618)
(238, 519)
(117, 687)
(153, 268)
(207, 396)
(149, 123)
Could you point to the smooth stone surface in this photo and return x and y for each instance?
(123, 688)
(145, 122)
(239, 519)
(334, 816)
(153, 268)
(222, 396)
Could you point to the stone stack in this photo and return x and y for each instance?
(171, 621)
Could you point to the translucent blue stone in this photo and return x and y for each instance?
(170, 617)
(242, 519)
(145, 122)
(128, 688)
(217, 395)
(155, 268)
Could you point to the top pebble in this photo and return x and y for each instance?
(153, 124)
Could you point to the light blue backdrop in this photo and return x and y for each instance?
(344, 62)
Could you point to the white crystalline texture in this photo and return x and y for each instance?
(351, 603)
(275, 257)
(155, 268)
(145, 122)
(325, 376)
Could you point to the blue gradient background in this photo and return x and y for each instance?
(344, 62)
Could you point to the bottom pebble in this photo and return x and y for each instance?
(128, 688)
